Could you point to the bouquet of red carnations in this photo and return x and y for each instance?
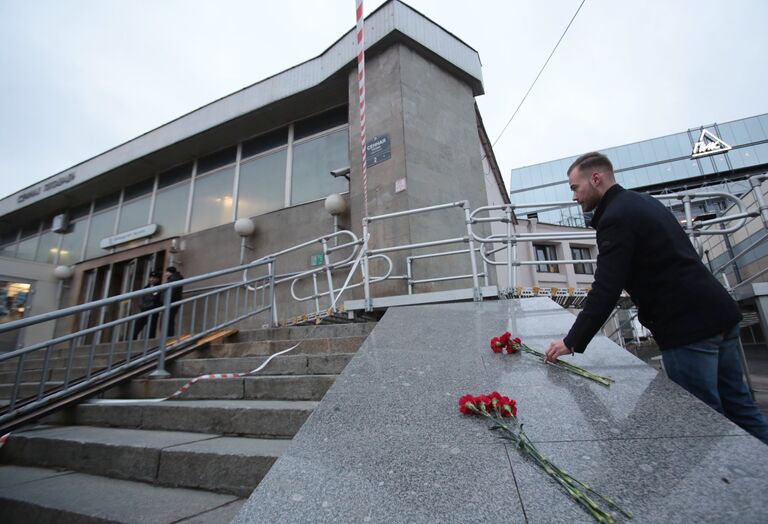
(496, 408)
(514, 345)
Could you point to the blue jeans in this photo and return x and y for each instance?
(710, 369)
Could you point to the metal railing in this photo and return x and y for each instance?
(80, 360)
(83, 360)
(369, 253)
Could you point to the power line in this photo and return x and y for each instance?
(541, 71)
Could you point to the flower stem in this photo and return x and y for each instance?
(577, 490)
(566, 366)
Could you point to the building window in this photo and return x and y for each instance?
(71, 247)
(171, 209)
(48, 248)
(134, 212)
(582, 253)
(212, 202)
(262, 184)
(102, 226)
(28, 244)
(313, 161)
(8, 243)
(543, 253)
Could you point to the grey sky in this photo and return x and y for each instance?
(78, 77)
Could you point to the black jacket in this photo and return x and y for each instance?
(643, 249)
(176, 293)
(150, 300)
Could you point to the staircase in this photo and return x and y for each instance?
(193, 459)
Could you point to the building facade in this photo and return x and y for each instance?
(171, 195)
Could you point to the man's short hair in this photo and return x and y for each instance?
(171, 269)
(591, 161)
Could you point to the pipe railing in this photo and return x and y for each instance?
(84, 361)
(218, 305)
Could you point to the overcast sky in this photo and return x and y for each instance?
(78, 77)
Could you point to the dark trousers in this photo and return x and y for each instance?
(172, 321)
(140, 323)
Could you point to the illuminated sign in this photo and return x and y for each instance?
(708, 144)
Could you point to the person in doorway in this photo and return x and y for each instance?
(173, 275)
(149, 301)
(695, 322)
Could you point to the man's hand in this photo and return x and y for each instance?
(556, 350)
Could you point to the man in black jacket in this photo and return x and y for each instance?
(173, 275)
(643, 249)
(149, 301)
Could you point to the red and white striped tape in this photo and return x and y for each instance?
(183, 389)
(361, 94)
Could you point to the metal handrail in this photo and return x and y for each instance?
(77, 342)
(339, 266)
(368, 253)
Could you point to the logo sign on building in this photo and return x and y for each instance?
(40, 190)
(133, 234)
(377, 150)
(708, 144)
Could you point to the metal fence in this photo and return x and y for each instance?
(72, 362)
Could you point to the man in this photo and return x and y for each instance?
(643, 249)
(173, 275)
(149, 301)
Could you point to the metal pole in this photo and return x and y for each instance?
(689, 219)
(327, 264)
(366, 282)
(271, 267)
(756, 183)
(478, 296)
(510, 246)
(160, 371)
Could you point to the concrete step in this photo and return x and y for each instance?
(301, 332)
(232, 465)
(48, 495)
(288, 364)
(271, 387)
(311, 346)
(253, 418)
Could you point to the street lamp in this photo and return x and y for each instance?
(244, 227)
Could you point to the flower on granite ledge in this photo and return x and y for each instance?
(515, 345)
(505, 342)
(497, 407)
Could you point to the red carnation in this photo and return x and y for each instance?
(496, 345)
(505, 337)
(508, 408)
(517, 340)
(483, 402)
(464, 402)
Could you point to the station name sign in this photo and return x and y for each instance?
(43, 188)
(377, 150)
(133, 234)
(708, 144)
